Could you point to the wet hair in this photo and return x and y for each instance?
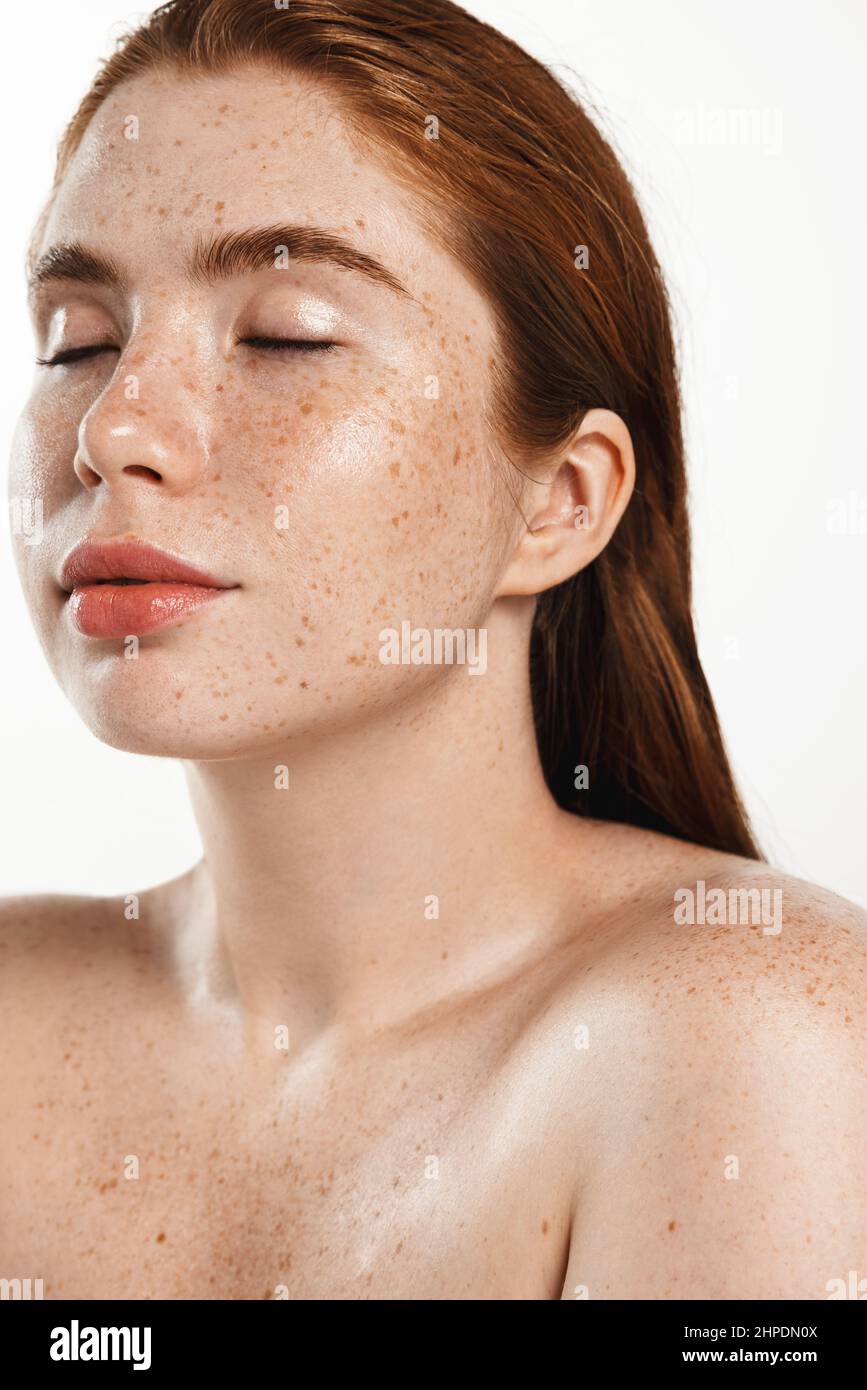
(517, 178)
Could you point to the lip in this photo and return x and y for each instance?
(162, 589)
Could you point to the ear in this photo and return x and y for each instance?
(573, 515)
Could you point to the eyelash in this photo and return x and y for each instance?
(289, 345)
(60, 359)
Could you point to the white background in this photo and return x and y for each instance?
(763, 240)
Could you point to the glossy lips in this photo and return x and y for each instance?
(127, 588)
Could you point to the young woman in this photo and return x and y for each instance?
(356, 435)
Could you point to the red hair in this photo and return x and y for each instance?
(518, 177)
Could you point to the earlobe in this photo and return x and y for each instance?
(573, 514)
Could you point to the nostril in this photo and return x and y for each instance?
(138, 470)
(88, 476)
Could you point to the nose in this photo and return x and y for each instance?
(145, 428)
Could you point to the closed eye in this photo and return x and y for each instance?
(290, 344)
(74, 355)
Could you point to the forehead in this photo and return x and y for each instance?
(168, 157)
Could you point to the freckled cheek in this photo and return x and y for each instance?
(353, 486)
(381, 487)
(434, 496)
(43, 449)
(319, 450)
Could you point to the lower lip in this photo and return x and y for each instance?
(125, 610)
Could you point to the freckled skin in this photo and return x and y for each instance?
(241, 433)
(311, 1169)
(430, 1128)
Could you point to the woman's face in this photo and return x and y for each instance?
(338, 492)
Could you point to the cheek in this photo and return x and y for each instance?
(372, 502)
(43, 448)
(37, 488)
(345, 505)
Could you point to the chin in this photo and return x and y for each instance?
(134, 726)
(163, 738)
(213, 701)
(162, 706)
(190, 715)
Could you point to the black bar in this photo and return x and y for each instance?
(243, 1337)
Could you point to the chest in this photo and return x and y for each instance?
(417, 1185)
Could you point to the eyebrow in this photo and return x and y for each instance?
(72, 261)
(221, 257)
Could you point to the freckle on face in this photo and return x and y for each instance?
(289, 473)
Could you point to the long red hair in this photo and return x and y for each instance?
(518, 178)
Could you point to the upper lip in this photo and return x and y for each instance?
(92, 561)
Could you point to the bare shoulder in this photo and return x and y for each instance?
(48, 923)
(73, 922)
(54, 948)
(79, 977)
(701, 919)
(725, 1074)
(60, 920)
(749, 936)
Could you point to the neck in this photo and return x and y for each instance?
(403, 859)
